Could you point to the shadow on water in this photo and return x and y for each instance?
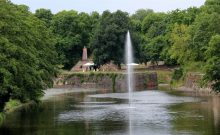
(2, 118)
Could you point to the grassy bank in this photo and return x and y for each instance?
(12, 105)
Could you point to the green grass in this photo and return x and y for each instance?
(11, 105)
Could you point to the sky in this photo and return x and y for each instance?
(129, 6)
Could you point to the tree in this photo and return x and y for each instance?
(177, 22)
(95, 19)
(108, 41)
(27, 54)
(212, 2)
(151, 22)
(180, 40)
(205, 26)
(154, 48)
(141, 14)
(44, 15)
(213, 62)
(153, 37)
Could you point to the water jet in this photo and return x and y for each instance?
(130, 71)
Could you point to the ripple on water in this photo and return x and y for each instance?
(149, 109)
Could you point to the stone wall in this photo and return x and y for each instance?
(193, 81)
(110, 81)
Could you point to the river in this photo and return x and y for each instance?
(85, 112)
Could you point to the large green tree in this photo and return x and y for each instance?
(109, 39)
(27, 54)
(153, 33)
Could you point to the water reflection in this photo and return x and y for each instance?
(215, 102)
(149, 112)
(197, 118)
(154, 113)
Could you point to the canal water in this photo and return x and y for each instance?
(154, 112)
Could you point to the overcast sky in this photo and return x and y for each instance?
(100, 5)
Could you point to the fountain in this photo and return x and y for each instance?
(130, 81)
(130, 70)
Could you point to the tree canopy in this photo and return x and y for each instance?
(109, 38)
(27, 54)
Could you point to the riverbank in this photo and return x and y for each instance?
(203, 92)
(190, 83)
(197, 92)
(10, 107)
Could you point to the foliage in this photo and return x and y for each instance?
(141, 14)
(205, 26)
(154, 48)
(180, 42)
(177, 74)
(152, 23)
(11, 104)
(213, 62)
(27, 54)
(108, 41)
(44, 15)
(152, 38)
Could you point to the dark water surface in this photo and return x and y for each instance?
(91, 113)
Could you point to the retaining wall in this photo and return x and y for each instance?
(116, 82)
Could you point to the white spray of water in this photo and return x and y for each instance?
(130, 70)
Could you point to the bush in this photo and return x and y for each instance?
(177, 74)
(11, 104)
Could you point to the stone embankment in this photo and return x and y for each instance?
(192, 84)
(116, 82)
